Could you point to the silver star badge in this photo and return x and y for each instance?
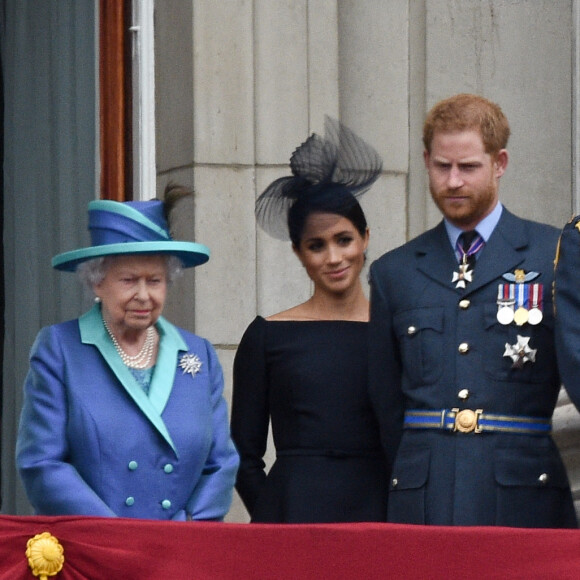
(520, 352)
(464, 275)
(190, 363)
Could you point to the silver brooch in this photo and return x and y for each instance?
(190, 363)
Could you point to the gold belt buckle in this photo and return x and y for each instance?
(467, 420)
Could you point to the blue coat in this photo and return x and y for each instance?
(433, 346)
(91, 442)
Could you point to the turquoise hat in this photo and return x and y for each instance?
(131, 227)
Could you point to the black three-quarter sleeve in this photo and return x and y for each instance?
(250, 412)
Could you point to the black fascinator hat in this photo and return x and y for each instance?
(328, 174)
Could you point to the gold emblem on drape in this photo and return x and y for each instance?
(45, 555)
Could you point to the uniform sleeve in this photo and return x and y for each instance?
(212, 497)
(52, 484)
(567, 309)
(250, 412)
(384, 369)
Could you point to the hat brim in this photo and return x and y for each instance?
(190, 253)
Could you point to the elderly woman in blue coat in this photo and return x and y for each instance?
(123, 412)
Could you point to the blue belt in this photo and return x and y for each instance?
(467, 421)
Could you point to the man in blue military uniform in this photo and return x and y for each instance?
(462, 362)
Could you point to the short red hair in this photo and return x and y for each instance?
(466, 112)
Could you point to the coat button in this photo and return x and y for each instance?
(168, 468)
(464, 304)
(544, 478)
(395, 482)
(463, 394)
(412, 330)
(129, 501)
(463, 348)
(165, 504)
(133, 465)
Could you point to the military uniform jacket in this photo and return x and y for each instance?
(91, 442)
(433, 346)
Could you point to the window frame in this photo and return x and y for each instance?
(127, 100)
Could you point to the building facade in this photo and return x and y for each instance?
(238, 85)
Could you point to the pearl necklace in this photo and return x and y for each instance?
(142, 359)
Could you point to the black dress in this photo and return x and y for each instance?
(311, 379)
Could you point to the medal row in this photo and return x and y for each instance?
(519, 303)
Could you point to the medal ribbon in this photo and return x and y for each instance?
(506, 294)
(523, 293)
(536, 296)
(472, 249)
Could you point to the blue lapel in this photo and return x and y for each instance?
(435, 256)
(170, 343)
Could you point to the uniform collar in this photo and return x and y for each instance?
(484, 228)
(504, 251)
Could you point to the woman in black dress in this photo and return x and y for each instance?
(305, 368)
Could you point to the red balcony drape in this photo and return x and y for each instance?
(120, 549)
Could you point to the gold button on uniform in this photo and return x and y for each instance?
(463, 348)
(463, 394)
(411, 330)
(464, 304)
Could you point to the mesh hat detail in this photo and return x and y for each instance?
(339, 165)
